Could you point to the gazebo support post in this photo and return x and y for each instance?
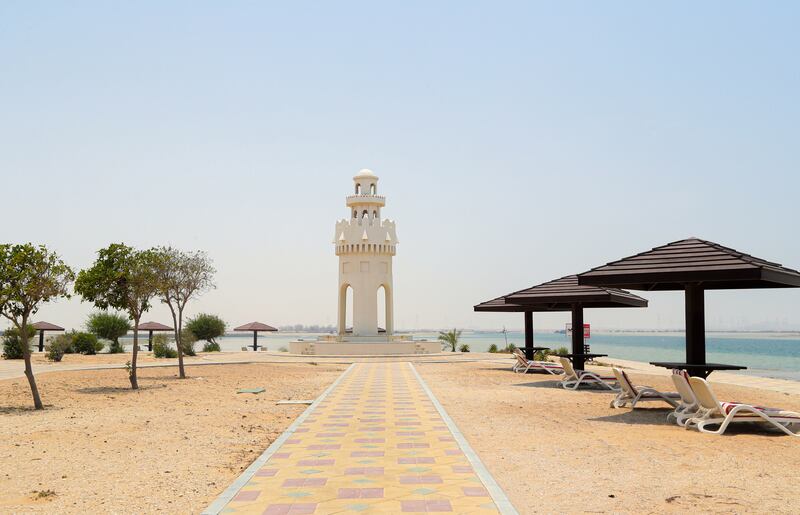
(695, 325)
(577, 336)
(529, 334)
(255, 341)
(150, 341)
(41, 340)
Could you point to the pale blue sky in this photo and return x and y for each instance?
(501, 131)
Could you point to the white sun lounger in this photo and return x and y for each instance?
(523, 365)
(630, 393)
(687, 407)
(575, 378)
(712, 412)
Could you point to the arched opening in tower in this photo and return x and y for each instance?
(381, 293)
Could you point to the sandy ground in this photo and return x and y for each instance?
(558, 451)
(171, 447)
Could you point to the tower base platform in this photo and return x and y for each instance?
(364, 346)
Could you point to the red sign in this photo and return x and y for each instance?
(587, 332)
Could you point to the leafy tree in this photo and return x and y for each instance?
(85, 343)
(208, 328)
(12, 345)
(493, 348)
(109, 326)
(29, 277)
(125, 279)
(449, 339)
(182, 276)
(463, 348)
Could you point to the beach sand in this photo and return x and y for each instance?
(559, 451)
(171, 447)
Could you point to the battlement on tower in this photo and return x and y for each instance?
(365, 235)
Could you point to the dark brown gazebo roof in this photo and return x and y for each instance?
(255, 326)
(672, 266)
(564, 293)
(46, 326)
(153, 326)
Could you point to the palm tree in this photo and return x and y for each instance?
(450, 339)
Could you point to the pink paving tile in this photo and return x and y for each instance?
(315, 463)
(337, 424)
(324, 447)
(475, 491)
(281, 455)
(330, 435)
(291, 509)
(421, 480)
(453, 452)
(247, 495)
(446, 439)
(364, 471)
(292, 441)
(361, 493)
(462, 469)
(366, 454)
(410, 433)
(425, 506)
(266, 472)
(370, 440)
(371, 429)
(301, 430)
(411, 445)
(415, 461)
(304, 481)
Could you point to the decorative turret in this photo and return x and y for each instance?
(365, 245)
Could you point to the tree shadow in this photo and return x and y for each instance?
(25, 410)
(118, 389)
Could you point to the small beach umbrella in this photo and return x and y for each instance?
(42, 327)
(256, 327)
(151, 327)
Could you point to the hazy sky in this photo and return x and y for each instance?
(516, 142)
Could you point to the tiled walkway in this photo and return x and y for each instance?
(375, 442)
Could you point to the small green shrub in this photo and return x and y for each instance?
(162, 348)
(463, 348)
(58, 346)
(283, 349)
(211, 347)
(188, 339)
(508, 349)
(115, 347)
(561, 351)
(12, 344)
(493, 348)
(86, 343)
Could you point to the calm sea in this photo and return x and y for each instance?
(767, 356)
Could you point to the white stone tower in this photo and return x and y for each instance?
(365, 245)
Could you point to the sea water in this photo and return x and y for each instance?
(764, 355)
